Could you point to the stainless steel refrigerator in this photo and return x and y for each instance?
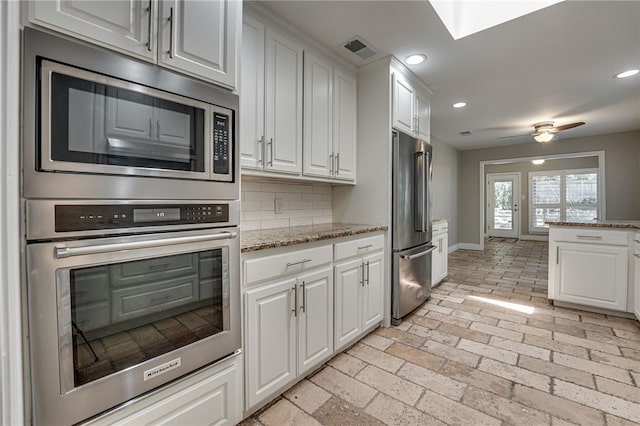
(411, 226)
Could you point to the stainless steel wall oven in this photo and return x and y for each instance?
(131, 213)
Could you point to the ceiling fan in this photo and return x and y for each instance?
(545, 131)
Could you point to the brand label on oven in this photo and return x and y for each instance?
(161, 369)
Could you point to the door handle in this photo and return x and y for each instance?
(362, 275)
(303, 307)
(337, 164)
(150, 11)
(260, 150)
(419, 191)
(271, 152)
(331, 165)
(171, 29)
(367, 264)
(62, 252)
(419, 254)
(295, 301)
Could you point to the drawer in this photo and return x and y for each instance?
(152, 270)
(590, 236)
(440, 226)
(358, 247)
(276, 265)
(89, 285)
(91, 316)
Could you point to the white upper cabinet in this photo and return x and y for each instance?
(344, 125)
(404, 99)
(411, 109)
(318, 117)
(423, 117)
(252, 94)
(283, 104)
(194, 37)
(126, 26)
(199, 38)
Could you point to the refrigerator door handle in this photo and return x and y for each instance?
(419, 188)
(419, 254)
(427, 189)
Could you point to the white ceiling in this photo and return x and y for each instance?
(554, 64)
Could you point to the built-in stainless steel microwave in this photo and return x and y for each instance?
(98, 124)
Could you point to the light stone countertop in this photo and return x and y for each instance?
(601, 224)
(281, 237)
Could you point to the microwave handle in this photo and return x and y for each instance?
(62, 252)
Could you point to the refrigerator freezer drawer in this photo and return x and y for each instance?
(411, 280)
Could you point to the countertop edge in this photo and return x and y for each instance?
(605, 224)
(319, 236)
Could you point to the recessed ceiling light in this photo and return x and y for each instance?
(538, 162)
(459, 105)
(627, 73)
(415, 59)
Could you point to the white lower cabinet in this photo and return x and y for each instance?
(589, 267)
(440, 256)
(359, 288)
(289, 331)
(636, 285)
(211, 396)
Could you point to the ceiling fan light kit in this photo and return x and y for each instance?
(544, 137)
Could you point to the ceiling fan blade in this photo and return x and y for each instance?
(514, 136)
(568, 126)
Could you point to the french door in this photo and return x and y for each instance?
(503, 199)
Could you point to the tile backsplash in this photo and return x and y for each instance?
(270, 204)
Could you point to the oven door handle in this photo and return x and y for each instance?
(62, 252)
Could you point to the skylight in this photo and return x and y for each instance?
(465, 17)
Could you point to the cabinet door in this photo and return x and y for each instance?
(120, 25)
(444, 258)
(591, 274)
(636, 306)
(403, 114)
(173, 127)
(348, 281)
(423, 117)
(373, 294)
(344, 125)
(436, 261)
(283, 104)
(315, 318)
(252, 95)
(317, 145)
(270, 339)
(200, 38)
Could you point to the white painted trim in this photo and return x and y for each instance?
(12, 410)
(470, 246)
(601, 167)
(453, 248)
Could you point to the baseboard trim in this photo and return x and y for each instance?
(469, 246)
(453, 248)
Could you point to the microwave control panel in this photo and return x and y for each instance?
(79, 217)
(221, 144)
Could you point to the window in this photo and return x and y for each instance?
(562, 195)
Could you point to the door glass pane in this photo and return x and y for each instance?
(503, 205)
(95, 123)
(126, 313)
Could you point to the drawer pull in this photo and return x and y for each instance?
(300, 262)
(159, 266)
(589, 237)
(365, 247)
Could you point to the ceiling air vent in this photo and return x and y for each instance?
(466, 133)
(359, 47)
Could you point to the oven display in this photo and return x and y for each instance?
(87, 217)
(155, 215)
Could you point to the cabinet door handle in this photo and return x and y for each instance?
(150, 11)
(271, 152)
(337, 164)
(557, 255)
(331, 163)
(362, 276)
(260, 150)
(303, 307)
(300, 262)
(367, 263)
(440, 246)
(589, 237)
(295, 301)
(171, 29)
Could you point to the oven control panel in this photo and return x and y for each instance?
(220, 144)
(86, 217)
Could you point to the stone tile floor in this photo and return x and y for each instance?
(486, 349)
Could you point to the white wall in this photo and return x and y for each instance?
(11, 375)
(445, 186)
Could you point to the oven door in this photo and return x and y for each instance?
(115, 317)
